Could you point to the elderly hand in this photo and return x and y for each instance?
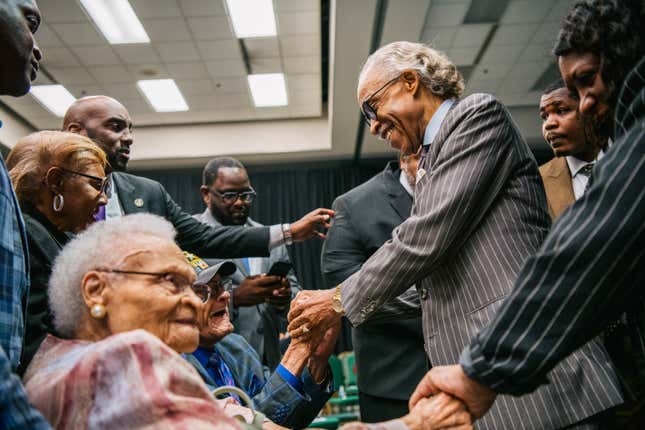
(438, 412)
(255, 289)
(319, 361)
(453, 380)
(307, 226)
(312, 314)
(281, 297)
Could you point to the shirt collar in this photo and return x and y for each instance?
(575, 164)
(435, 122)
(403, 179)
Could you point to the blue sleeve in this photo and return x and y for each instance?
(290, 378)
(15, 411)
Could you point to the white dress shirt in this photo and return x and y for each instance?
(579, 180)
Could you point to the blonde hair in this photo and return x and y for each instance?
(31, 158)
(436, 71)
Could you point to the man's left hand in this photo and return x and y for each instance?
(307, 226)
(312, 315)
(452, 380)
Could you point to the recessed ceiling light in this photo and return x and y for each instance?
(163, 95)
(55, 98)
(268, 89)
(116, 20)
(252, 18)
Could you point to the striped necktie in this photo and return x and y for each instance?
(587, 170)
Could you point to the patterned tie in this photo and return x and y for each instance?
(221, 373)
(587, 170)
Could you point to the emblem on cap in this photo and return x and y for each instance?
(138, 203)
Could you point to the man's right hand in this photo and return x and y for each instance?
(255, 289)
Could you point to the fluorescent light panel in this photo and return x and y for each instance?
(252, 18)
(268, 89)
(116, 20)
(163, 95)
(55, 98)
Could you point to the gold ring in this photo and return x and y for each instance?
(305, 329)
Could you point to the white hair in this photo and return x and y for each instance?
(436, 71)
(101, 245)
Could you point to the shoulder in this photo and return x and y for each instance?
(235, 344)
(477, 103)
(134, 180)
(254, 223)
(363, 192)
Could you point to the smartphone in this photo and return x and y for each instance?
(279, 268)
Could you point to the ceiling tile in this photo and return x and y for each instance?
(300, 46)
(231, 85)
(72, 75)
(210, 28)
(510, 86)
(526, 11)
(546, 33)
(266, 65)
(148, 71)
(262, 47)
(177, 51)
(137, 54)
(156, 8)
(57, 11)
(446, 15)
(302, 65)
(226, 68)
(538, 52)
(440, 38)
(272, 112)
(521, 99)
(308, 111)
(234, 100)
(219, 49)
(187, 70)
(502, 54)
(298, 98)
(303, 82)
(199, 102)
(96, 55)
(298, 23)
(462, 56)
(296, 5)
(167, 30)
(190, 87)
(514, 34)
(471, 35)
(46, 38)
(201, 7)
(559, 9)
(489, 86)
(79, 34)
(80, 90)
(59, 57)
(527, 71)
(111, 74)
(137, 106)
(121, 91)
(486, 71)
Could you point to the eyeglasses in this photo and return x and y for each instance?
(230, 197)
(210, 289)
(99, 184)
(171, 281)
(369, 113)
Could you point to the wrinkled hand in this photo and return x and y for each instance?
(319, 361)
(255, 289)
(307, 226)
(452, 380)
(438, 412)
(281, 297)
(311, 315)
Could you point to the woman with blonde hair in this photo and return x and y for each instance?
(60, 183)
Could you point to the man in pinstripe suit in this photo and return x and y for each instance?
(590, 268)
(479, 212)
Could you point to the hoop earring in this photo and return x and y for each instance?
(98, 311)
(58, 203)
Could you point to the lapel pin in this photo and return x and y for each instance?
(420, 174)
(138, 203)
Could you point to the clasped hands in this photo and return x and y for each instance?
(312, 319)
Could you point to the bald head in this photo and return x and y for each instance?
(107, 122)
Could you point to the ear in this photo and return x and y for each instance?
(75, 127)
(411, 81)
(54, 180)
(206, 194)
(94, 289)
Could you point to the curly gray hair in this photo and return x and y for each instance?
(102, 244)
(435, 70)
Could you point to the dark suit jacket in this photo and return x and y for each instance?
(390, 358)
(45, 242)
(557, 184)
(137, 194)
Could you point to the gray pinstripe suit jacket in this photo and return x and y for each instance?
(479, 212)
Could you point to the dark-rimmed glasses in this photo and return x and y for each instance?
(230, 197)
(173, 282)
(369, 113)
(99, 184)
(211, 288)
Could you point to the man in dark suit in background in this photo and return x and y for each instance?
(108, 123)
(389, 351)
(567, 175)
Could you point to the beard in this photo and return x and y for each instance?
(597, 129)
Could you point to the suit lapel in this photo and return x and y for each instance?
(558, 186)
(129, 199)
(399, 198)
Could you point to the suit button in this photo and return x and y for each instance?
(260, 330)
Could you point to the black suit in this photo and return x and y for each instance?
(390, 358)
(137, 194)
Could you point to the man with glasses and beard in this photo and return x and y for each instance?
(259, 303)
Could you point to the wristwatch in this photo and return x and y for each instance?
(286, 234)
(337, 303)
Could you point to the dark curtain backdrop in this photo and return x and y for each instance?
(285, 193)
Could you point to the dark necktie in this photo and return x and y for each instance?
(587, 170)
